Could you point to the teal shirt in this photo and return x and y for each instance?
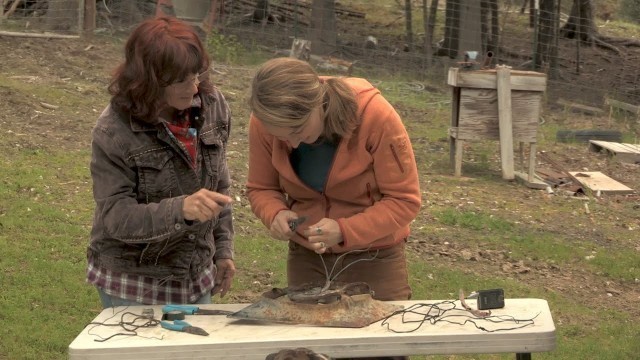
(312, 163)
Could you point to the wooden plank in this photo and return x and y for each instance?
(534, 182)
(486, 79)
(629, 153)
(589, 110)
(455, 106)
(459, 146)
(46, 35)
(597, 181)
(597, 145)
(478, 114)
(623, 105)
(632, 148)
(505, 126)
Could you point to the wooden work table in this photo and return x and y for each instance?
(241, 339)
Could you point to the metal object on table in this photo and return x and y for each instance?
(350, 306)
(183, 326)
(192, 310)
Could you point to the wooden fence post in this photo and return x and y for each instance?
(89, 16)
(503, 74)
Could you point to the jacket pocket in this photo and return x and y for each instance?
(213, 153)
(156, 175)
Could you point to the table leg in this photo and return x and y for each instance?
(523, 356)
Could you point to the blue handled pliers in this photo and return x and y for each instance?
(193, 310)
(181, 325)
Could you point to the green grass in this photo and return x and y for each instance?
(46, 215)
(602, 333)
(44, 222)
(46, 211)
(472, 220)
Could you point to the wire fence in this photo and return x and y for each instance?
(419, 38)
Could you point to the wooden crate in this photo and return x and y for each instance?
(475, 114)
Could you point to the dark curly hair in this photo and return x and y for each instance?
(159, 52)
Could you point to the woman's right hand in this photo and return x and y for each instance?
(280, 226)
(204, 205)
(280, 230)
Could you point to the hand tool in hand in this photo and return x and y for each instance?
(181, 325)
(293, 224)
(193, 310)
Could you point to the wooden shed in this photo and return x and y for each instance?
(496, 104)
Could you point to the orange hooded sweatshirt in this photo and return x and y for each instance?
(372, 188)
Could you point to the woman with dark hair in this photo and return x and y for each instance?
(162, 230)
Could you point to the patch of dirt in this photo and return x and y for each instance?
(79, 71)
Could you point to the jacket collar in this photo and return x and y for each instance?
(140, 126)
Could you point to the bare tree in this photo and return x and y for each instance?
(323, 34)
(463, 28)
(532, 11)
(62, 15)
(580, 24)
(451, 30)
(545, 34)
(429, 26)
(492, 42)
(409, 25)
(471, 27)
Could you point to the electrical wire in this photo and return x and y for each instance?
(130, 327)
(448, 312)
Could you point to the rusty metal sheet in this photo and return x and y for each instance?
(351, 310)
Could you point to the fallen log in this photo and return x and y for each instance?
(46, 35)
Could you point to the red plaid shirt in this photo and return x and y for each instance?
(186, 135)
(146, 290)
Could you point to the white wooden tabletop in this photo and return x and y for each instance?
(241, 339)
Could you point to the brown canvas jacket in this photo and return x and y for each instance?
(140, 179)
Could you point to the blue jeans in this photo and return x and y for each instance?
(109, 301)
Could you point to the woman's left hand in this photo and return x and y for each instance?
(224, 276)
(324, 234)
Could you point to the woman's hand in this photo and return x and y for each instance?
(204, 205)
(323, 235)
(224, 277)
(280, 226)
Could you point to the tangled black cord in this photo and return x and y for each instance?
(447, 311)
(130, 326)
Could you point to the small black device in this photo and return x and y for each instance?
(490, 299)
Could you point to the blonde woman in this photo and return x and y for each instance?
(334, 151)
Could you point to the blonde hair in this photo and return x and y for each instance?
(285, 91)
